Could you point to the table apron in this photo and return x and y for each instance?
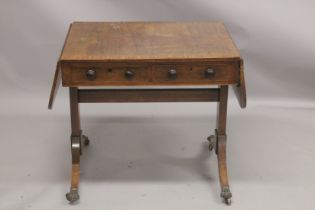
(148, 95)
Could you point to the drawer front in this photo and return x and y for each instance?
(124, 74)
(195, 74)
(93, 75)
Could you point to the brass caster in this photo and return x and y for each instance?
(212, 142)
(73, 195)
(226, 195)
(85, 140)
(228, 201)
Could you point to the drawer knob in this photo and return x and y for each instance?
(172, 74)
(91, 74)
(129, 74)
(209, 73)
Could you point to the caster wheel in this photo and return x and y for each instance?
(210, 147)
(212, 142)
(226, 195)
(86, 140)
(228, 201)
(73, 195)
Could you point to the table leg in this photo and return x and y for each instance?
(76, 149)
(221, 144)
(218, 142)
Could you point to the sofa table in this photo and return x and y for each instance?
(187, 61)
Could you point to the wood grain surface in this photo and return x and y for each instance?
(117, 41)
(150, 50)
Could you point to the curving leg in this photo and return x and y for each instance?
(73, 195)
(76, 134)
(226, 194)
(221, 144)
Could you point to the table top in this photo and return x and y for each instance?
(140, 42)
(150, 41)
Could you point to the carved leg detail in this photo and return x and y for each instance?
(73, 195)
(224, 182)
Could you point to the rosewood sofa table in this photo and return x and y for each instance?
(188, 61)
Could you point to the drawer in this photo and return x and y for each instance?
(104, 74)
(195, 74)
(124, 74)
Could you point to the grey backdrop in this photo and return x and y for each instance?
(271, 155)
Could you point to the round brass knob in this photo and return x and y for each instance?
(172, 74)
(209, 73)
(129, 74)
(90, 74)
